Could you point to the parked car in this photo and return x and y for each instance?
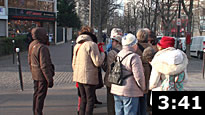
(197, 46)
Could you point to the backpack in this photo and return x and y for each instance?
(116, 75)
(104, 64)
(174, 82)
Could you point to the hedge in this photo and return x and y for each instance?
(6, 45)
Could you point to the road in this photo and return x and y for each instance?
(62, 98)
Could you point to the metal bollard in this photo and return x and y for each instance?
(72, 46)
(19, 67)
(13, 41)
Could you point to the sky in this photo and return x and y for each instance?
(122, 4)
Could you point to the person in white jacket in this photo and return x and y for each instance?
(168, 67)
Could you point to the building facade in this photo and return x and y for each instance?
(3, 18)
(198, 18)
(23, 15)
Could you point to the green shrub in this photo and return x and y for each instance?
(6, 45)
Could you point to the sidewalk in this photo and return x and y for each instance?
(59, 101)
(62, 98)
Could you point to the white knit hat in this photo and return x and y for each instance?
(115, 32)
(129, 40)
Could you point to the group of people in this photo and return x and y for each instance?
(151, 66)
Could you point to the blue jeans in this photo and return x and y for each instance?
(126, 105)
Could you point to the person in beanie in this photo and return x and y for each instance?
(127, 95)
(41, 68)
(114, 33)
(169, 67)
(142, 36)
(116, 47)
(87, 57)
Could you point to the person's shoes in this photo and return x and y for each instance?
(98, 102)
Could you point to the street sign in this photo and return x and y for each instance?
(179, 22)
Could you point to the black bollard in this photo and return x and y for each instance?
(13, 44)
(72, 46)
(19, 67)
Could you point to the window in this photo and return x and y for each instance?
(32, 4)
(1, 2)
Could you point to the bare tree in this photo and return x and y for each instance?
(102, 11)
(168, 11)
(144, 10)
(189, 13)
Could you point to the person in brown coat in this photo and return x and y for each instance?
(142, 36)
(41, 68)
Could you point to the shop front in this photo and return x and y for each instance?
(21, 21)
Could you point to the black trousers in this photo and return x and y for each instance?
(87, 93)
(148, 98)
(110, 102)
(40, 92)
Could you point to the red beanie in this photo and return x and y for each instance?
(166, 42)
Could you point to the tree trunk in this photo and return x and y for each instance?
(189, 14)
(188, 30)
(100, 23)
(143, 10)
(155, 17)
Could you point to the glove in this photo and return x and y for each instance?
(100, 47)
(50, 84)
(109, 46)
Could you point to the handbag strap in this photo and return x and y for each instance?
(77, 51)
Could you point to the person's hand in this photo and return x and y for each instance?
(109, 46)
(100, 47)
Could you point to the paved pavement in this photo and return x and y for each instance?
(62, 98)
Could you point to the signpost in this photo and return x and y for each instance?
(179, 22)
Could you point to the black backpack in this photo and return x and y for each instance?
(116, 75)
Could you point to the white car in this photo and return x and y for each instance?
(197, 46)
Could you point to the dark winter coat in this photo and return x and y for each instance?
(146, 65)
(39, 57)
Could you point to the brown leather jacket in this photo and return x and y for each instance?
(39, 60)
